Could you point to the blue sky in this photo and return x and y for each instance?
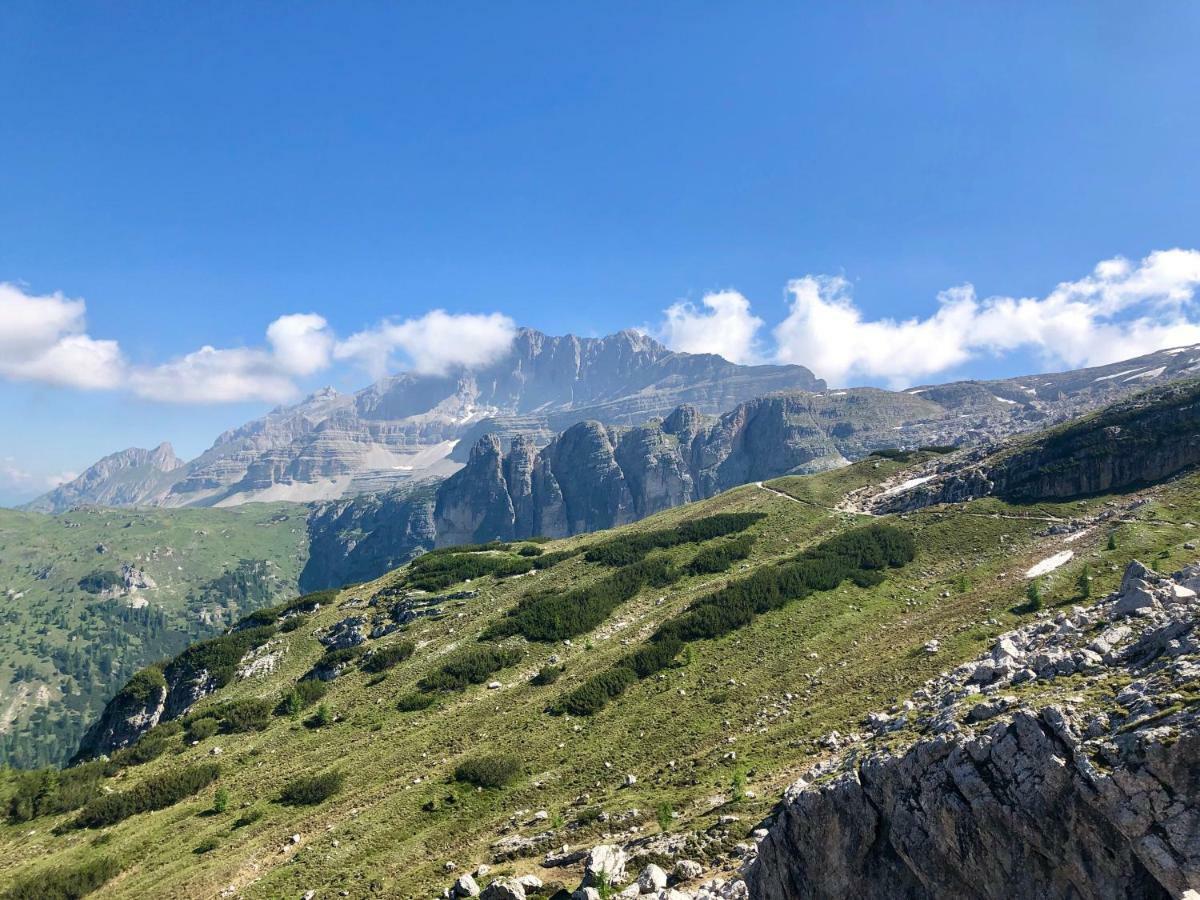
(194, 172)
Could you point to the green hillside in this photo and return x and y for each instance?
(454, 739)
(71, 633)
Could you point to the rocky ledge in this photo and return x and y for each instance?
(1063, 763)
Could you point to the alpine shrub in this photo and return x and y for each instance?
(308, 790)
(65, 882)
(157, 792)
(386, 657)
(490, 771)
(470, 666)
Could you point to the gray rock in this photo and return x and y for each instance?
(651, 879)
(504, 889)
(465, 886)
(607, 859)
(688, 870)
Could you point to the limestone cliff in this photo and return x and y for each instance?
(1004, 779)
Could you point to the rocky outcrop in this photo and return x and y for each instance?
(359, 539)
(1134, 443)
(974, 792)
(594, 476)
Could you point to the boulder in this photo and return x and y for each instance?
(607, 860)
(651, 879)
(504, 889)
(1136, 599)
(688, 870)
(465, 886)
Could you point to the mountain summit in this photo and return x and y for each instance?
(403, 428)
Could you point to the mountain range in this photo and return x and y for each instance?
(414, 429)
(404, 429)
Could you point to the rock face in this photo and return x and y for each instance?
(1053, 795)
(401, 430)
(594, 476)
(360, 538)
(1136, 442)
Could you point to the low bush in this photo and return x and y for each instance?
(308, 790)
(550, 560)
(269, 615)
(65, 882)
(157, 792)
(250, 714)
(218, 656)
(202, 729)
(386, 657)
(435, 571)
(630, 548)
(208, 845)
(549, 617)
(301, 695)
(150, 745)
(101, 580)
(719, 558)
(591, 696)
(530, 550)
(322, 717)
(249, 817)
(470, 666)
(546, 675)
(415, 702)
(858, 555)
(48, 792)
(493, 770)
(142, 688)
(341, 655)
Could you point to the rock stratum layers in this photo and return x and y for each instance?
(1064, 763)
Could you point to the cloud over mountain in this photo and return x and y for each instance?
(1122, 309)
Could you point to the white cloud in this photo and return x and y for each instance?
(1120, 310)
(42, 338)
(727, 328)
(301, 343)
(210, 375)
(433, 344)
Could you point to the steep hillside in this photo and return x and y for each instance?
(604, 691)
(1139, 441)
(90, 596)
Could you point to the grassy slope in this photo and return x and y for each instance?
(180, 549)
(840, 654)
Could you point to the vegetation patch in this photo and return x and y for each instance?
(557, 616)
(630, 548)
(250, 714)
(858, 555)
(435, 571)
(385, 658)
(494, 770)
(270, 615)
(718, 558)
(157, 792)
(471, 666)
(302, 695)
(100, 581)
(309, 790)
(65, 882)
